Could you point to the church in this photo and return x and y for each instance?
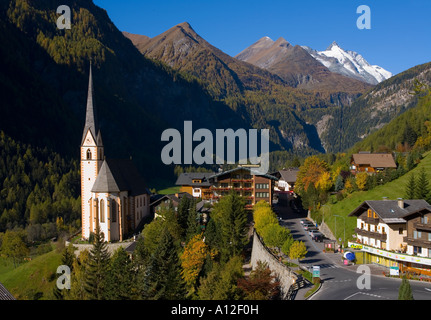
(114, 196)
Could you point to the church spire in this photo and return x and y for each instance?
(90, 116)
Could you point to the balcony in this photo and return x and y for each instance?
(417, 242)
(372, 234)
(370, 220)
(422, 226)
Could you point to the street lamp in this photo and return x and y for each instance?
(344, 236)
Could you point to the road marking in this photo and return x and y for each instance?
(367, 294)
(427, 289)
(338, 281)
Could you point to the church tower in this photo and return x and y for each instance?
(92, 155)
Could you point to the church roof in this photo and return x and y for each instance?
(90, 115)
(117, 175)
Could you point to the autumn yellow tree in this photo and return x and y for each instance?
(263, 216)
(193, 259)
(298, 250)
(310, 173)
(361, 180)
(325, 182)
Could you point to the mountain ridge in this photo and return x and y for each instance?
(349, 63)
(297, 66)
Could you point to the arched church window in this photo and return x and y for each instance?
(113, 211)
(88, 154)
(102, 210)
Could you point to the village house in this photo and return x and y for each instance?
(286, 179)
(196, 184)
(252, 187)
(395, 233)
(371, 162)
(213, 186)
(161, 201)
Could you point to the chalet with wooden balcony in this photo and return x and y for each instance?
(382, 223)
(196, 184)
(286, 179)
(418, 238)
(212, 186)
(395, 233)
(371, 162)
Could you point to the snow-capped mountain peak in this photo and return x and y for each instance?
(349, 63)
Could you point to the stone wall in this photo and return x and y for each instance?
(280, 270)
(110, 246)
(323, 228)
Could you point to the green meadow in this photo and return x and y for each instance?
(392, 190)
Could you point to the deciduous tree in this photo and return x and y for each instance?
(298, 250)
(261, 284)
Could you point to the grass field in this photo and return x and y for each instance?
(393, 190)
(31, 280)
(170, 190)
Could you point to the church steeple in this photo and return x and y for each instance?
(91, 116)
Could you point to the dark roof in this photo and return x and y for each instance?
(375, 160)
(289, 175)
(186, 179)
(90, 115)
(5, 294)
(389, 210)
(242, 168)
(117, 175)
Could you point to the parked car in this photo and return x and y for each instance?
(311, 229)
(308, 226)
(305, 221)
(316, 236)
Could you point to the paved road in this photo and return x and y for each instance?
(341, 282)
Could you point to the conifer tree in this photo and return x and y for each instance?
(67, 259)
(231, 216)
(121, 277)
(161, 278)
(405, 290)
(411, 187)
(193, 224)
(422, 186)
(183, 214)
(95, 278)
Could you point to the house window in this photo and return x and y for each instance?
(262, 185)
(429, 236)
(88, 154)
(417, 234)
(102, 210)
(369, 213)
(375, 215)
(113, 210)
(262, 194)
(400, 231)
(417, 250)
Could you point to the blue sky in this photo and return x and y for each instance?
(399, 38)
